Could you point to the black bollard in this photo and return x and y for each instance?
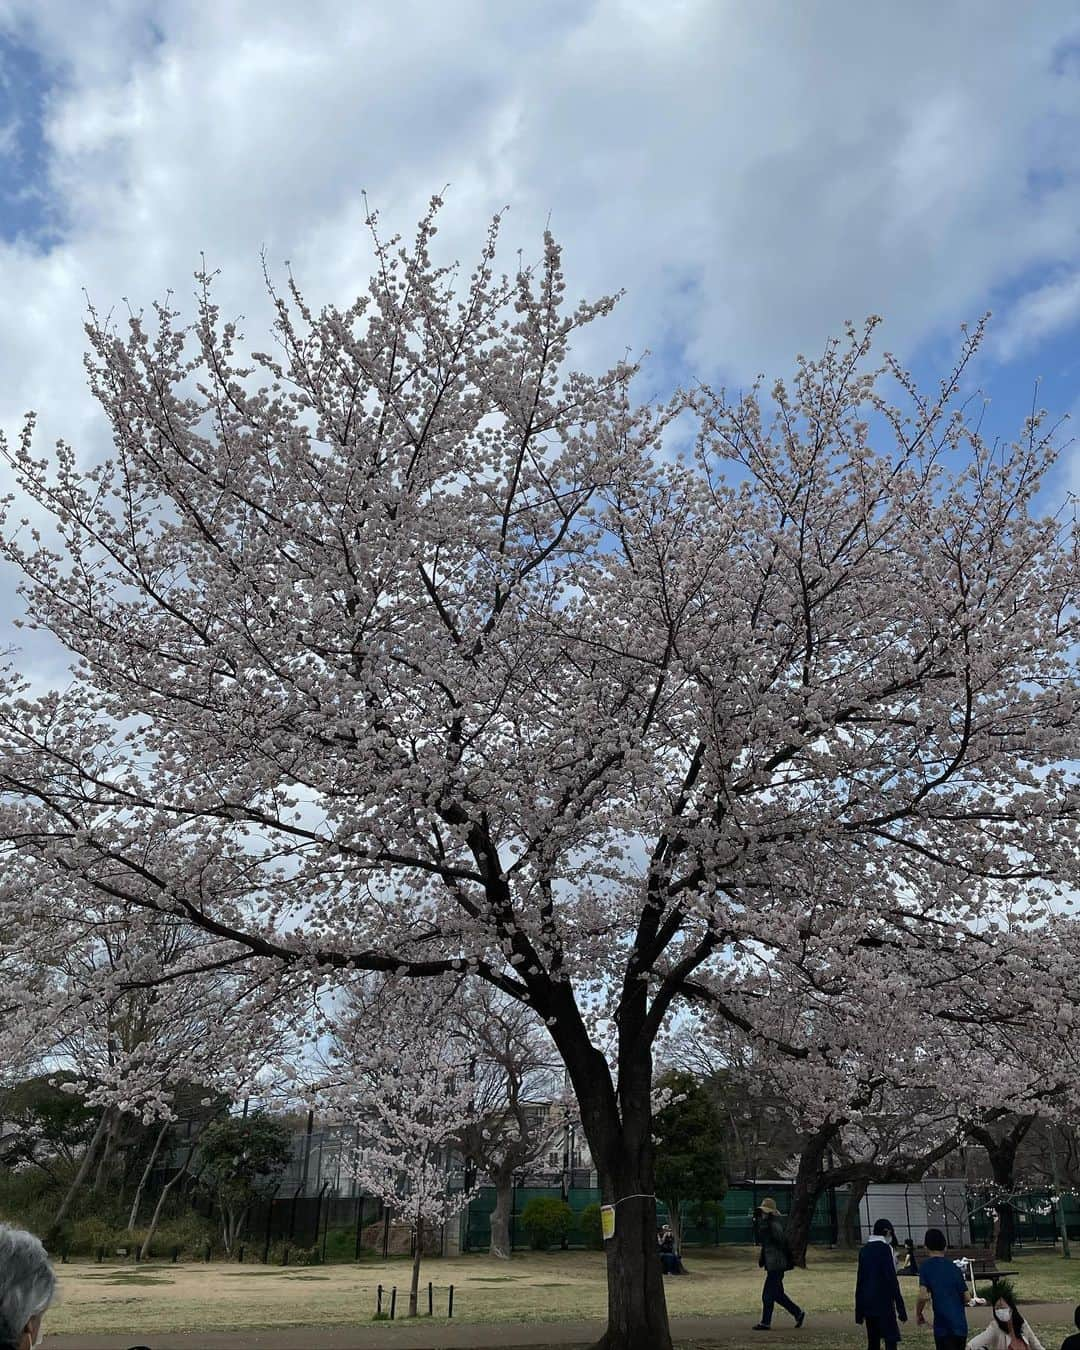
(430, 1304)
(450, 1303)
(378, 1301)
(175, 1255)
(393, 1302)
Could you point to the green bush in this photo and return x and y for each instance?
(298, 1256)
(188, 1232)
(27, 1200)
(85, 1236)
(592, 1227)
(547, 1221)
(341, 1245)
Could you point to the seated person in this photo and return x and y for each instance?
(1007, 1330)
(1073, 1342)
(910, 1264)
(669, 1257)
(27, 1286)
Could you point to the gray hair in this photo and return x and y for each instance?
(27, 1282)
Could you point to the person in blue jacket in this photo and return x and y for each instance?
(878, 1300)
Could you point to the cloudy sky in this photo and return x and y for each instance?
(753, 173)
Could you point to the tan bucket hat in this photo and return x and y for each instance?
(768, 1206)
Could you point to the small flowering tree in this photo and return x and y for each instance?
(432, 655)
(398, 1078)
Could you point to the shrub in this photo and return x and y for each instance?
(592, 1227)
(85, 1236)
(28, 1200)
(188, 1232)
(547, 1221)
(341, 1245)
(298, 1256)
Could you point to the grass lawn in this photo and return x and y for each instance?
(530, 1288)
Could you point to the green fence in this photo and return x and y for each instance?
(736, 1227)
(476, 1223)
(1036, 1218)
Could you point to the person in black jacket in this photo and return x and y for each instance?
(878, 1300)
(775, 1259)
(1073, 1342)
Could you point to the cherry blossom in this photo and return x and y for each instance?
(404, 648)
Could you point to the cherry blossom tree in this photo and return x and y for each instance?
(132, 1012)
(400, 1080)
(883, 1087)
(1001, 1142)
(431, 655)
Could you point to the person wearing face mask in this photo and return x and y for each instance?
(27, 1287)
(1007, 1330)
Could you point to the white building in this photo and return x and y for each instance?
(912, 1208)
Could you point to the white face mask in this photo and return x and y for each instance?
(1003, 1314)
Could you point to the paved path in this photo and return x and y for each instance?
(476, 1336)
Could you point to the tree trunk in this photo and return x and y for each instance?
(500, 1217)
(161, 1203)
(232, 1225)
(106, 1152)
(418, 1254)
(133, 1216)
(1002, 1155)
(674, 1209)
(637, 1308)
(619, 1132)
(804, 1197)
(81, 1175)
(1003, 1165)
(849, 1226)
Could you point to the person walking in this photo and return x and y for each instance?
(942, 1284)
(776, 1260)
(27, 1287)
(878, 1300)
(1008, 1330)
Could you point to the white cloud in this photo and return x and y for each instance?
(1039, 314)
(753, 174)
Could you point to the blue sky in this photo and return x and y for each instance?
(752, 174)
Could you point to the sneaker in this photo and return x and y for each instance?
(800, 1319)
(761, 1326)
